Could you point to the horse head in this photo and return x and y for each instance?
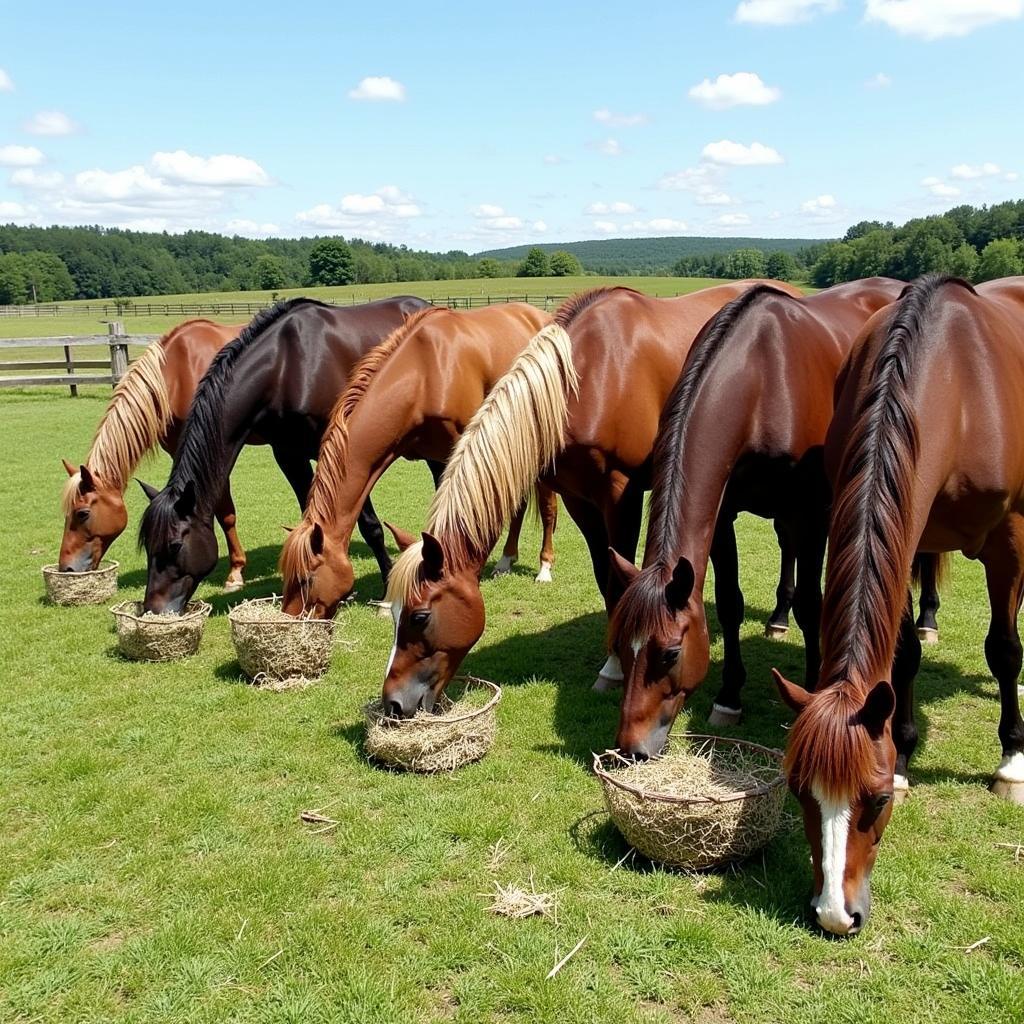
(94, 517)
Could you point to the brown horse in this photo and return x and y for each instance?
(411, 397)
(742, 431)
(579, 406)
(945, 364)
(149, 406)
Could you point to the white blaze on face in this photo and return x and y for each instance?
(396, 614)
(835, 830)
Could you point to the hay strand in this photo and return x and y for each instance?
(146, 636)
(94, 586)
(517, 903)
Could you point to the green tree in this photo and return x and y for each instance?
(46, 277)
(833, 266)
(745, 263)
(269, 273)
(535, 264)
(872, 254)
(1000, 258)
(965, 262)
(488, 267)
(780, 266)
(331, 262)
(13, 287)
(564, 264)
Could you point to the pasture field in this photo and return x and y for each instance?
(153, 866)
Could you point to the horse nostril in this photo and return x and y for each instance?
(393, 709)
(855, 927)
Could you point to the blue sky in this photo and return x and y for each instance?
(443, 126)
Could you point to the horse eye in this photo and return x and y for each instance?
(879, 800)
(671, 656)
(420, 618)
(81, 514)
(175, 549)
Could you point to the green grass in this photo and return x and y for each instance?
(153, 867)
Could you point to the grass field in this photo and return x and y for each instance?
(153, 867)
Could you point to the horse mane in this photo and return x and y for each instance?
(133, 423)
(869, 548)
(576, 304)
(516, 433)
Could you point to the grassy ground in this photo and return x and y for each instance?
(153, 866)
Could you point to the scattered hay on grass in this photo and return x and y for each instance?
(146, 636)
(515, 902)
(94, 586)
(715, 801)
(459, 730)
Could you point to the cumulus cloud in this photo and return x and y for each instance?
(704, 183)
(372, 215)
(744, 88)
(616, 120)
(20, 156)
(736, 154)
(733, 220)
(657, 226)
(936, 19)
(607, 147)
(938, 187)
(378, 88)
(26, 177)
(783, 12)
(618, 207)
(606, 226)
(223, 171)
(878, 81)
(6, 84)
(50, 122)
(539, 225)
(824, 205)
(11, 211)
(967, 171)
(250, 228)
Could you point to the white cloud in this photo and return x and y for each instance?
(372, 215)
(604, 208)
(1011, 176)
(6, 85)
(20, 156)
(703, 182)
(939, 188)
(610, 117)
(551, 159)
(824, 205)
(608, 147)
(223, 171)
(657, 226)
(488, 210)
(741, 89)
(605, 226)
(736, 154)
(50, 122)
(492, 217)
(732, 220)
(378, 88)
(878, 81)
(783, 12)
(11, 211)
(539, 225)
(935, 19)
(967, 171)
(25, 177)
(250, 228)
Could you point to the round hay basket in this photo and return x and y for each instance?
(718, 800)
(459, 731)
(278, 650)
(150, 637)
(94, 586)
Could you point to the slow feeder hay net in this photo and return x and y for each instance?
(718, 800)
(94, 586)
(279, 651)
(146, 636)
(459, 730)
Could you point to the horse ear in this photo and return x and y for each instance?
(622, 568)
(316, 539)
(402, 539)
(679, 588)
(878, 707)
(88, 483)
(793, 696)
(70, 469)
(186, 504)
(433, 557)
(287, 529)
(148, 489)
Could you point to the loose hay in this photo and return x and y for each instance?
(512, 901)
(280, 651)
(457, 732)
(94, 586)
(717, 801)
(146, 636)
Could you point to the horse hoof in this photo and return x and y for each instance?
(724, 716)
(605, 683)
(503, 566)
(1012, 791)
(900, 790)
(544, 575)
(774, 631)
(230, 586)
(927, 635)
(383, 609)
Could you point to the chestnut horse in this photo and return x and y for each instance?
(946, 364)
(580, 408)
(411, 397)
(149, 406)
(279, 379)
(742, 431)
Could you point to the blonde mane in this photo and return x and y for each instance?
(512, 439)
(132, 425)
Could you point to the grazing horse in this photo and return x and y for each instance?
(925, 454)
(742, 431)
(580, 408)
(411, 397)
(278, 379)
(149, 407)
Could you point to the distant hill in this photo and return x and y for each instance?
(639, 255)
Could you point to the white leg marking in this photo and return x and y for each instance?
(612, 668)
(835, 830)
(544, 576)
(900, 782)
(396, 615)
(504, 565)
(1011, 768)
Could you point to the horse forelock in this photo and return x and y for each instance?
(296, 561)
(642, 610)
(158, 520)
(405, 576)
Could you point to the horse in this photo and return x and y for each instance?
(579, 407)
(411, 397)
(279, 379)
(924, 454)
(742, 431)
(149, 407)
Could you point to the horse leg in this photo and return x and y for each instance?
(812, 532)
(927, 625)
(904, 671)
(727, 709)
(297, 471)
(778, 622)
(510, 552)
(547, 504)
(373, 533)
(436, 471)
(1003, 558)
(225, 513)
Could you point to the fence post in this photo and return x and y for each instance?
(69, 361)
(118, 350)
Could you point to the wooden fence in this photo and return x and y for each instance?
(116, 364)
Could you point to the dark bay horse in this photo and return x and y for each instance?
(279, 380)
(742, 431)
(926, 454)
(580, 407)
(411, 397)
(149, 407)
